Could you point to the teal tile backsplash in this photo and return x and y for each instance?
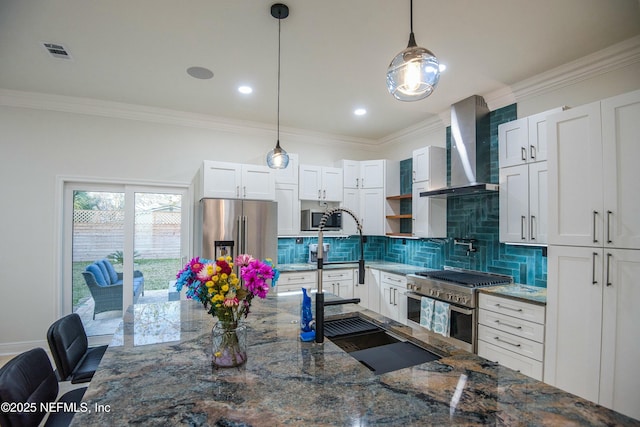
(475, 217)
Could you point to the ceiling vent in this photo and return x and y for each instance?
(57, 50)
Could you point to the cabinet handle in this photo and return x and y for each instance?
(533, 236)
(319, 194)
(508, 308)
(523, 221)
(608, 265)
(357, 182)
(523, 154)
(395, 293)
(507, 342)
(595, 217)
(532, 151)
(393, 280)
(324, 194)
(593, 268)
(245, 191)
(609, 227)
(295, 278)
(413, 175)
(237, 191)
(507, 324)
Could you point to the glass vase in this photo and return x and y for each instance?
(229, 344)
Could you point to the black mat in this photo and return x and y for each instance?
(391, 357)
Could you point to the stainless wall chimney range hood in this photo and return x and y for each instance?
(470, 150)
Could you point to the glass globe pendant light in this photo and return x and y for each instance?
(278, 158)
(414, 73)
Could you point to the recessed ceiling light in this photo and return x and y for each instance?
(442, 67)
(245, 89)
(360, 111)
(200, 73)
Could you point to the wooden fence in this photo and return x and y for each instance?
(96, 234)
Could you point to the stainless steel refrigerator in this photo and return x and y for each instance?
(232, 227)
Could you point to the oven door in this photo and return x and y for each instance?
(462, 322)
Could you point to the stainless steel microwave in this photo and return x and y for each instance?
(310, 220)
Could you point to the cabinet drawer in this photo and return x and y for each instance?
(393, 279)
(512, 325)
(296, 280)
(522, 364)
(514, 343)
(513, 308)
(335, 275)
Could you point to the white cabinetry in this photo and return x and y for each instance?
(592, 344)
(320, 183)
(288, 198)
(296, 280)
(363, 174)
(523, 203)
(524, 140)
(393, 300)
(225, 180)
(429, 214)
(366, 184)
(511, 333)
(288, 209)
(338, 282)
(592, 334)
(594, 178)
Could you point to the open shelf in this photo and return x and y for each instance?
(401, 216)
(399, 234)
(400, 197)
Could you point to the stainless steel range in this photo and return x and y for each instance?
(456, 290)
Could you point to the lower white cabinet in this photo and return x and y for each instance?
(338, 282)
(294, 281)
(393, 299)
(511, 332)
(593, 343)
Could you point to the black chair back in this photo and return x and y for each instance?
(68, 344)
(27, 379)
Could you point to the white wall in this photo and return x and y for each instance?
(53, 139)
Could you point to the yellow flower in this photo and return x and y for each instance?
(234, 281)
(218, 268)
(209, 284)
(217, 298)
(224, 288)
(228, 259)
(217, 354)
(215, 278)
(224, 276)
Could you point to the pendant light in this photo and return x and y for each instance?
(414, 73)
(278, 158)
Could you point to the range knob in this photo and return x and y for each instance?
(456, 298)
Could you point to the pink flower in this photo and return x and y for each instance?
(243, 260)
(231, 302)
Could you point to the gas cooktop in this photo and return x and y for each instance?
(470, 279)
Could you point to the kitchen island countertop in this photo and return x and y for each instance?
(158, 371)
(526, 293)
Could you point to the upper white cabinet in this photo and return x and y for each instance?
(366, 184)
(594, 178)
(363, 174)
(523, 203)
(430, 165)
(288, 175)
(235, 181)
(320, 183)
(429, 214)
(524, 140)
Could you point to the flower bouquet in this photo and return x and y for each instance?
(227, 297)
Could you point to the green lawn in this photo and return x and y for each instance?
(157, 274)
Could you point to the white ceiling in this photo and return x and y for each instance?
(334, 53)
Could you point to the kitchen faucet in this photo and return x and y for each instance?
(320, 304)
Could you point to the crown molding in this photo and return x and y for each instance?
(430, 125)
(118, 110)
(614, 57)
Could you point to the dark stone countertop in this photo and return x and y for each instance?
(158, 372)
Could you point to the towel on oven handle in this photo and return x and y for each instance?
(440, 323)
(426, 312)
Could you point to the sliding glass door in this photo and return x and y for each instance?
(123, 245)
